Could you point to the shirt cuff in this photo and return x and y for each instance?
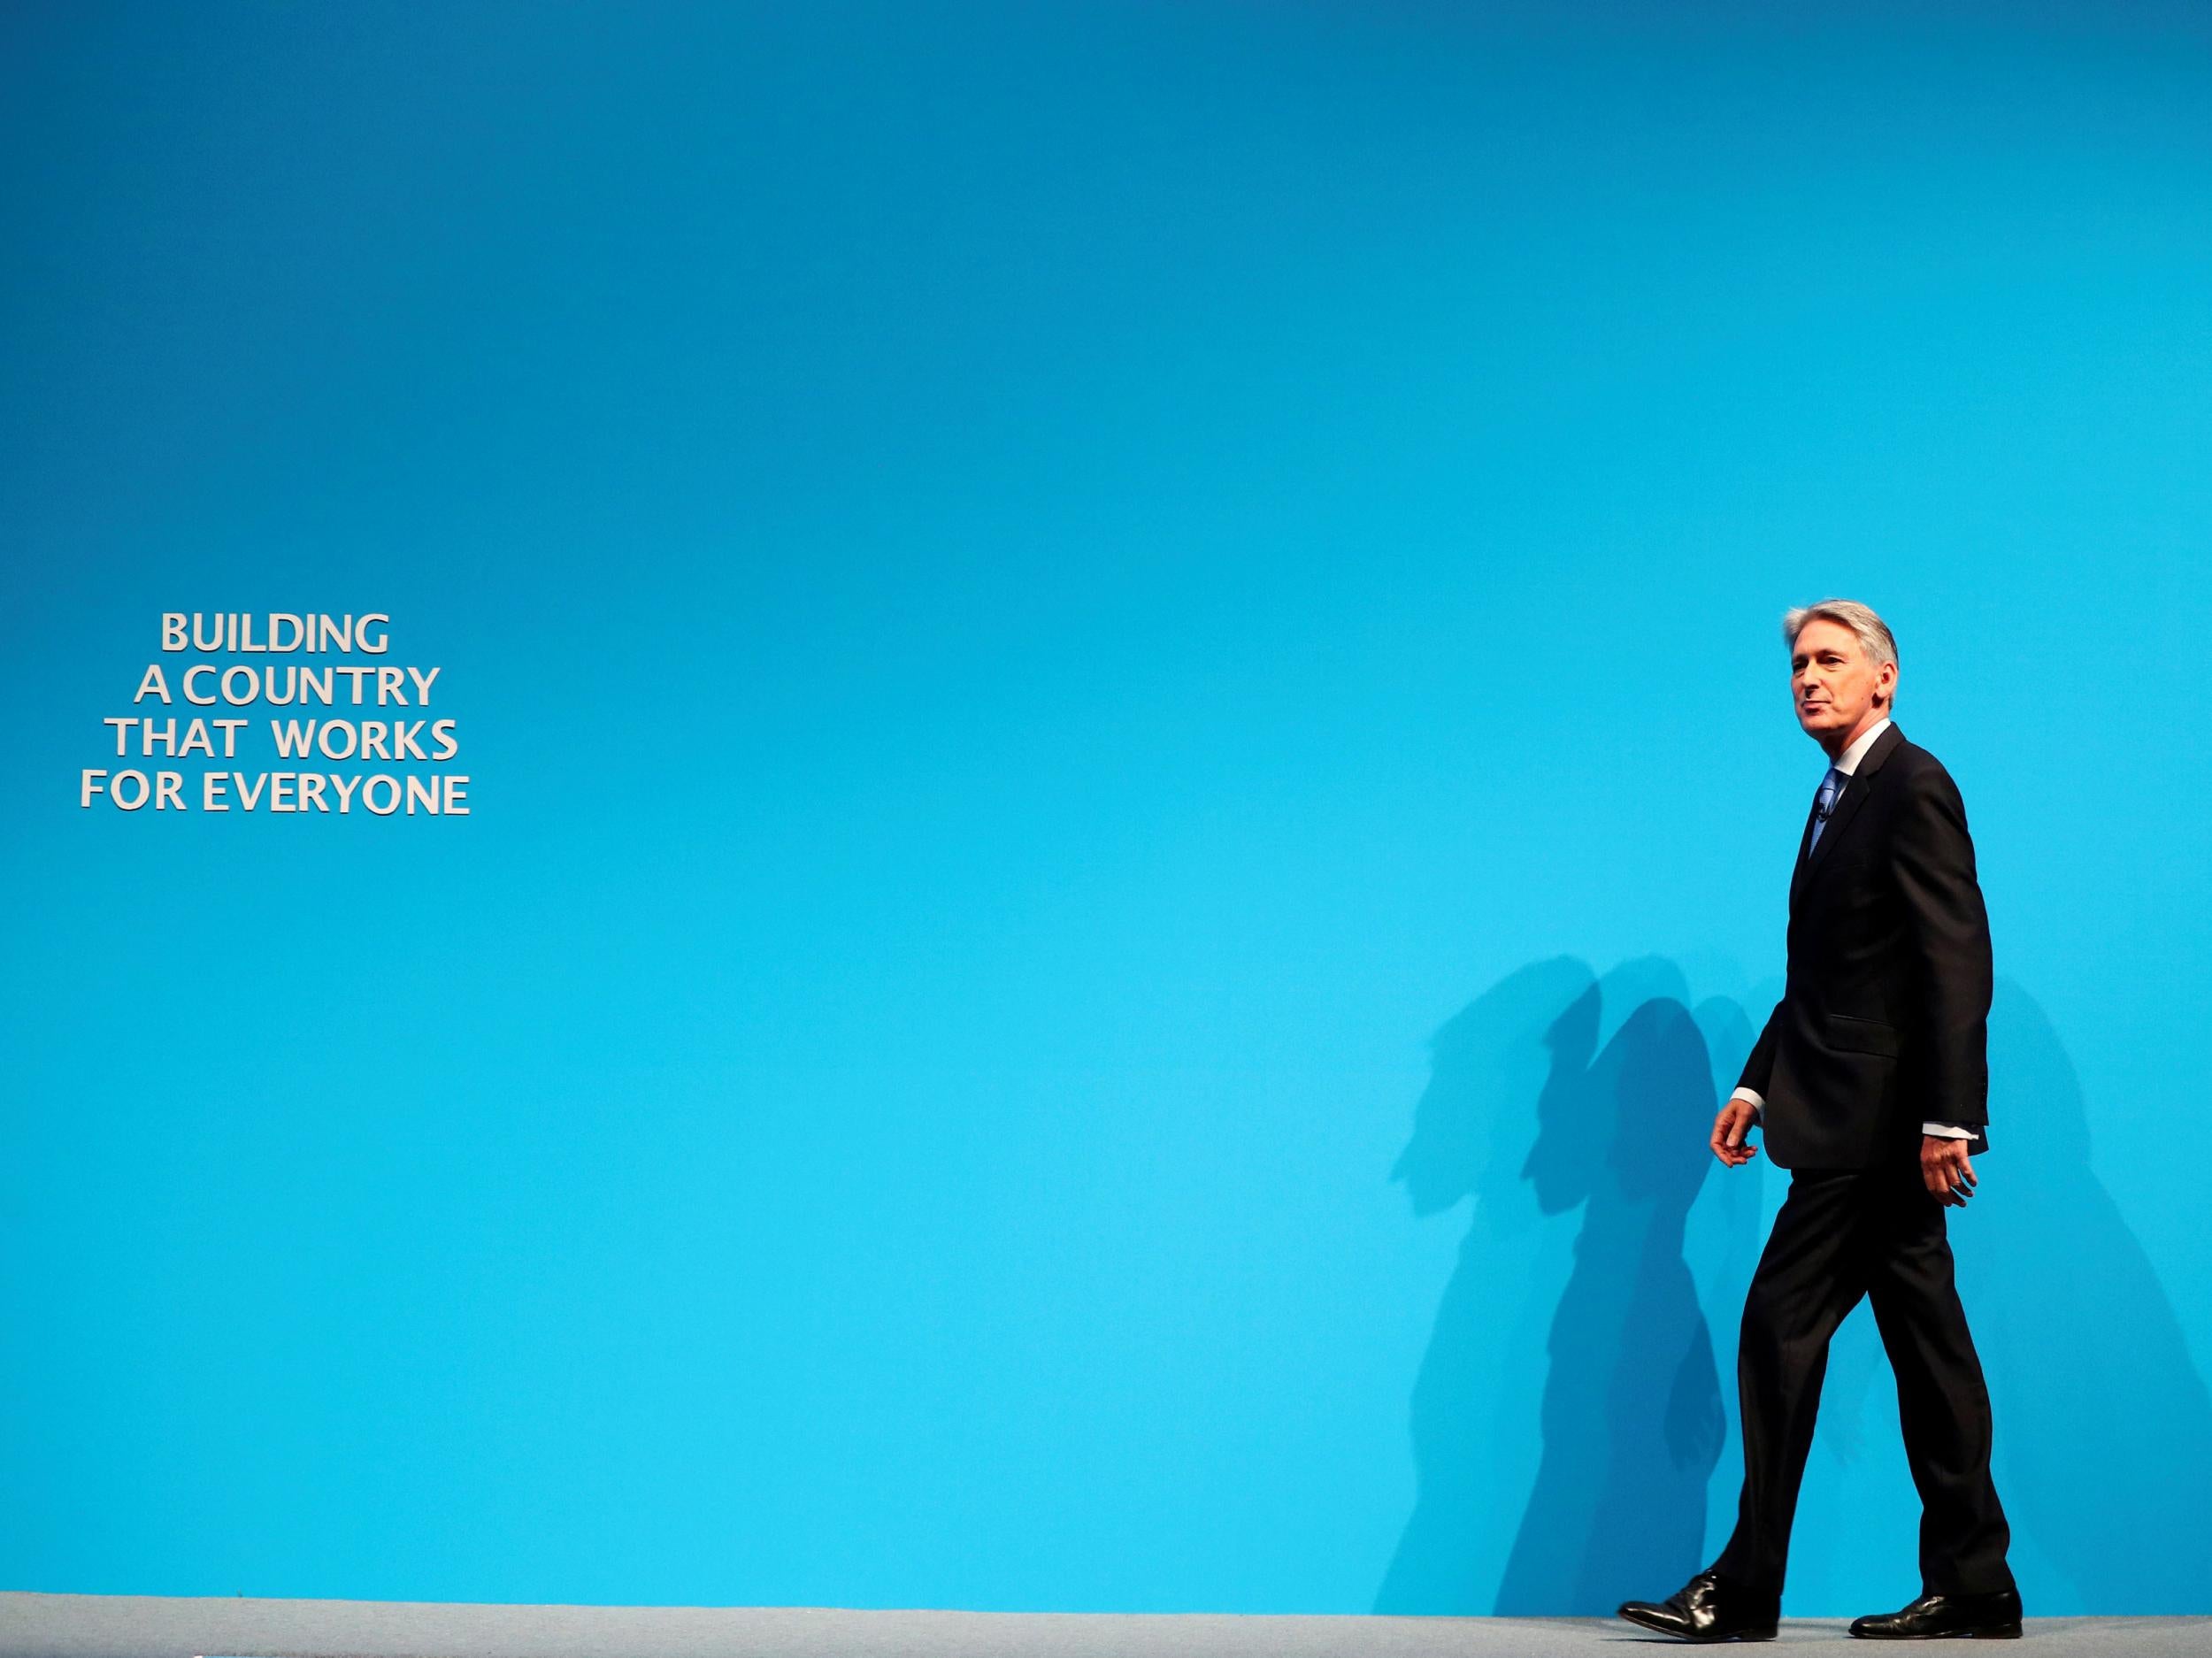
(1751, 1097)
(1947, 1130)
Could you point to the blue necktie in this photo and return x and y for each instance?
(1830, 787)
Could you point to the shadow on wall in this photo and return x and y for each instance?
(1727, 1229)
(1569, 1423)
(1584, 1153)
(2103, 1453)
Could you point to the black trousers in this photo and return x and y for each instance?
(1842, 1234)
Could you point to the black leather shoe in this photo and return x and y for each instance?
(1936, 1617)
(1706, 1609)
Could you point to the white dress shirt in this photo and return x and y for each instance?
(1847, 763)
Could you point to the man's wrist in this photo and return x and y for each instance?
(1753, 1098)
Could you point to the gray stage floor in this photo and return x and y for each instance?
(145, 1626)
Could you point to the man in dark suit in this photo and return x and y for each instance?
(1870, 1084)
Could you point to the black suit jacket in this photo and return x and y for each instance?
(1884, 1024)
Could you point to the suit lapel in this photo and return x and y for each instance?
(1855, 789)
(1804, 840)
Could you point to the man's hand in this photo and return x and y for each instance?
(1947, 1170)
(1736, 1119)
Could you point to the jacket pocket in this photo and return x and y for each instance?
(1861, 1036)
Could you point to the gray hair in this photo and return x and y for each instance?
(1869, 630)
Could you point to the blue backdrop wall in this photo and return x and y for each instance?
(1130, 787)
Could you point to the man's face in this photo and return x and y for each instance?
(1835, 685)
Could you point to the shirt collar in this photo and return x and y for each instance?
(1847, 762)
